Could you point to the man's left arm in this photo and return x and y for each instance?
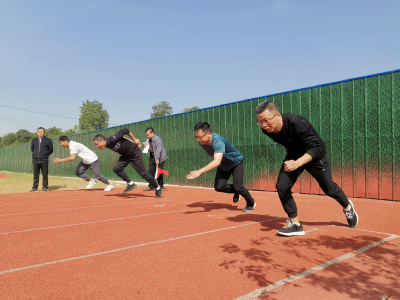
(211, 166)
(158, 145)
(308, 137)
(50, 147)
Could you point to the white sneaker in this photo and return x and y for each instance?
(109, 187)
(91, 184)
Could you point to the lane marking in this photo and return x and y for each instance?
(290, 279)
(131, 247)
(82, 207)
(94, 222)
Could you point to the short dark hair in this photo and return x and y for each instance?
(203, 126)
(63, 138)
(41, 128)
(266, 105)
(149, 128)
(99, 137)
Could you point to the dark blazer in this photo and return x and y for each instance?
(41, 150)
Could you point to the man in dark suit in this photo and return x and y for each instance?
(158, 156)
(41, 148)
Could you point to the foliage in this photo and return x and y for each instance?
(161, 109)
(190, 109)
(93, 116)
(24, 136)
(53, 132)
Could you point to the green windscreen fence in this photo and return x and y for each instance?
(358, 119)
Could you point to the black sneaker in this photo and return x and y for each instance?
(249, 208)
(45, 189)
(33, 190)
(236, 197)
(158, 192)
(291, 229)
(149, 189)
(351, 215)
(129, 188)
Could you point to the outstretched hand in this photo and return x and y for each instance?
(56, 160)
(193, 174)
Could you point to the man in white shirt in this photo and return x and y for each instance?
(89, 161)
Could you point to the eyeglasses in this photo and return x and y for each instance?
(200, 137)
(261, 123)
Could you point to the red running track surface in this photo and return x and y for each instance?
(193, 243)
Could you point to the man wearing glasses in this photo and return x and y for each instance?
(305, 151)
(228, 161)
(130, 154)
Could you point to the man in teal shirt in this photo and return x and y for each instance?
(228, 161)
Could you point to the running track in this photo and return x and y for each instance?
(193, 243)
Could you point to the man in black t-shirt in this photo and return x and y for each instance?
(130, 154)
(305, 151)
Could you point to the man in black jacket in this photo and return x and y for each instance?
(41, 148)
(130, 154)
(305, 151)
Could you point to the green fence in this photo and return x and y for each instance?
(357, 119)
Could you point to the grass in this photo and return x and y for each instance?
(22, 183)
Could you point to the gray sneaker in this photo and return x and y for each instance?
(291, 229)
(351, 215)
(249, 208)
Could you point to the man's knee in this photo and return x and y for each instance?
(77, 173)
(117, 169)
(218, 187)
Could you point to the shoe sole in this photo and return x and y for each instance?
(351, 203)
(291, 233)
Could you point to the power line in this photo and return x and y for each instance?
(36, 112)
(39, 112)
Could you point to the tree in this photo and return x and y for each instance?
(54, 132)
(93, 116)
(190, 109)
(161, 109)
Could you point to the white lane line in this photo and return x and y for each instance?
(82, 207)
(131, 247)
(264, 290)
(94, 222)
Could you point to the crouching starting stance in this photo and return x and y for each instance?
(130, 154)
(89, 161)
(228, 161)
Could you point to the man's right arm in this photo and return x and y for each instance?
(117, 136)
(32, 146)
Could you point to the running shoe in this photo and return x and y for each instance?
(109, 187)
(291, 229)
(91, 184)
(149, 189)
(249, 208)
(158, 192)
(236, 197)
(351, 215)
(130, 187)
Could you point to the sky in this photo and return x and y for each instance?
(130, 55)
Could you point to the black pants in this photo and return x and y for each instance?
(321, 171)
(221, 183)
(152, 171)
(40, 164)
(136, 161)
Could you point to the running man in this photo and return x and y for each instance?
(130, 154)
(305, 151)
(228, 161)
(89, 161)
